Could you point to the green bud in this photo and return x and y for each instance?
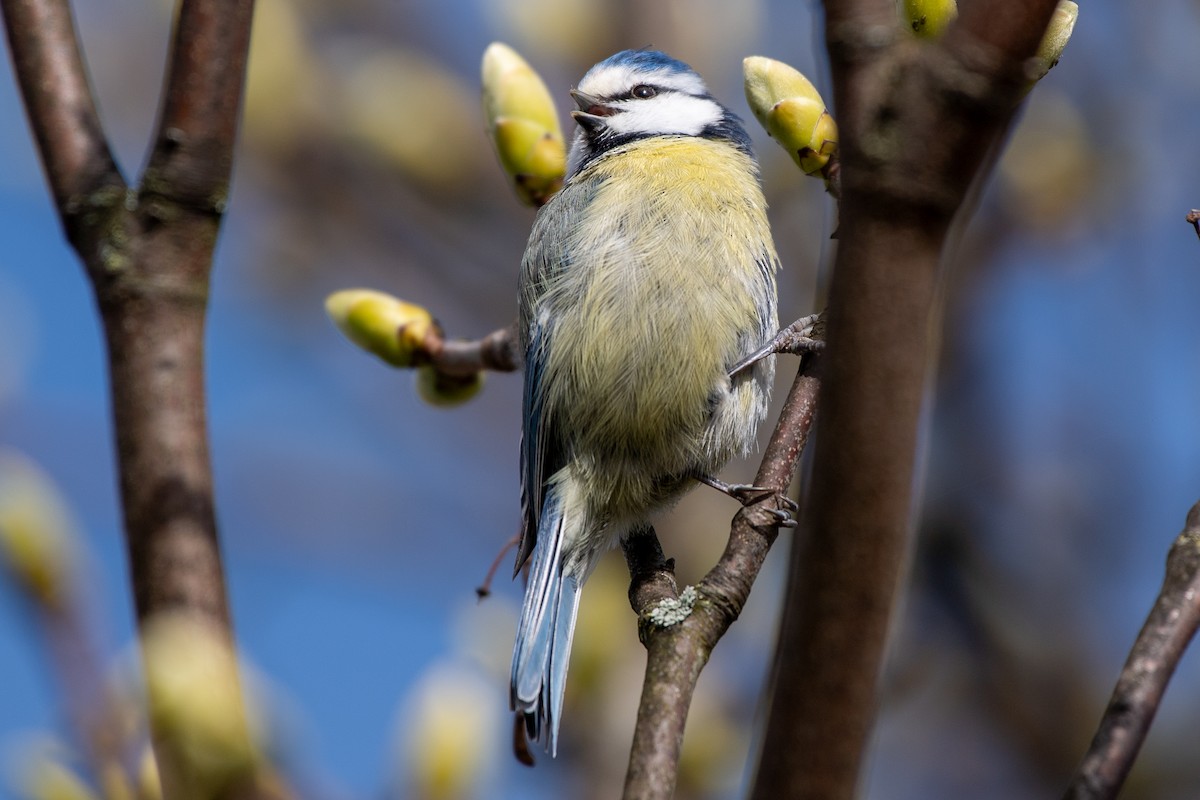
(149, 782)
(523, 124)
(194, 695)
(448, 733)
(47, 778)
(792, 111)
(446, 391)
(1058, 33)
(390, 328)
(928, 18)
(37, 544)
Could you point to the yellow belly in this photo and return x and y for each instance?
(664, 291)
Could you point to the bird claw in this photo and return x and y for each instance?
(744, 493)
(783, 518)
(805, 335)
(748, 494)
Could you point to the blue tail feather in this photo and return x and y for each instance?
(543, 646)
(560, 656)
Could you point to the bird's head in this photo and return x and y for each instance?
(640, 93)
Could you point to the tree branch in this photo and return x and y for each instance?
(149, 257)
(676, 654)
(1152, 661)
(58, 102)
(1014, 28)
(193, 150)
(916, 120)
(153, 297)
(149, 262)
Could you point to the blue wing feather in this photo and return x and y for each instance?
(537, 459)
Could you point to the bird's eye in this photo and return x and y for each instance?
(642, 91)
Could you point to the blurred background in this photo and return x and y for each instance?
(1063, 440)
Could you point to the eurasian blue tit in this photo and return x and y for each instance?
(645, 280)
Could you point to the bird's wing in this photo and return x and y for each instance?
(541, 456)
(547, 257)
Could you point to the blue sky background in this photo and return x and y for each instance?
(1063, 444)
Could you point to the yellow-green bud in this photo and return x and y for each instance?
(149, 782)
(49, 779)
(792, 111)
(928, 18)
(523, 124)
(447, 391)
(113, 780)
(1058, 33)
(381, 324)
(447, 734)
(36, 542)
(195, 700)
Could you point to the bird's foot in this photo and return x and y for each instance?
(805, 335)
(748, 494)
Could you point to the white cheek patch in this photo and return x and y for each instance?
(665, 114)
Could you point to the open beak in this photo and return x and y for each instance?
(592, 110)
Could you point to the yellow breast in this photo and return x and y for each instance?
(669, 266)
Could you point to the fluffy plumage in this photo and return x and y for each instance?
(645, 279)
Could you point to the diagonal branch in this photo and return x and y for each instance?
(58, 101)
(1152, 661)
(676, 654)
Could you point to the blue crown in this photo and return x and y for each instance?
(645, 60)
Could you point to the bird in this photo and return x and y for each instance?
(647, 281)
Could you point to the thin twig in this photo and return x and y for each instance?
(676, 655)
(1152, 661)
(497, 352)
(484, 590)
